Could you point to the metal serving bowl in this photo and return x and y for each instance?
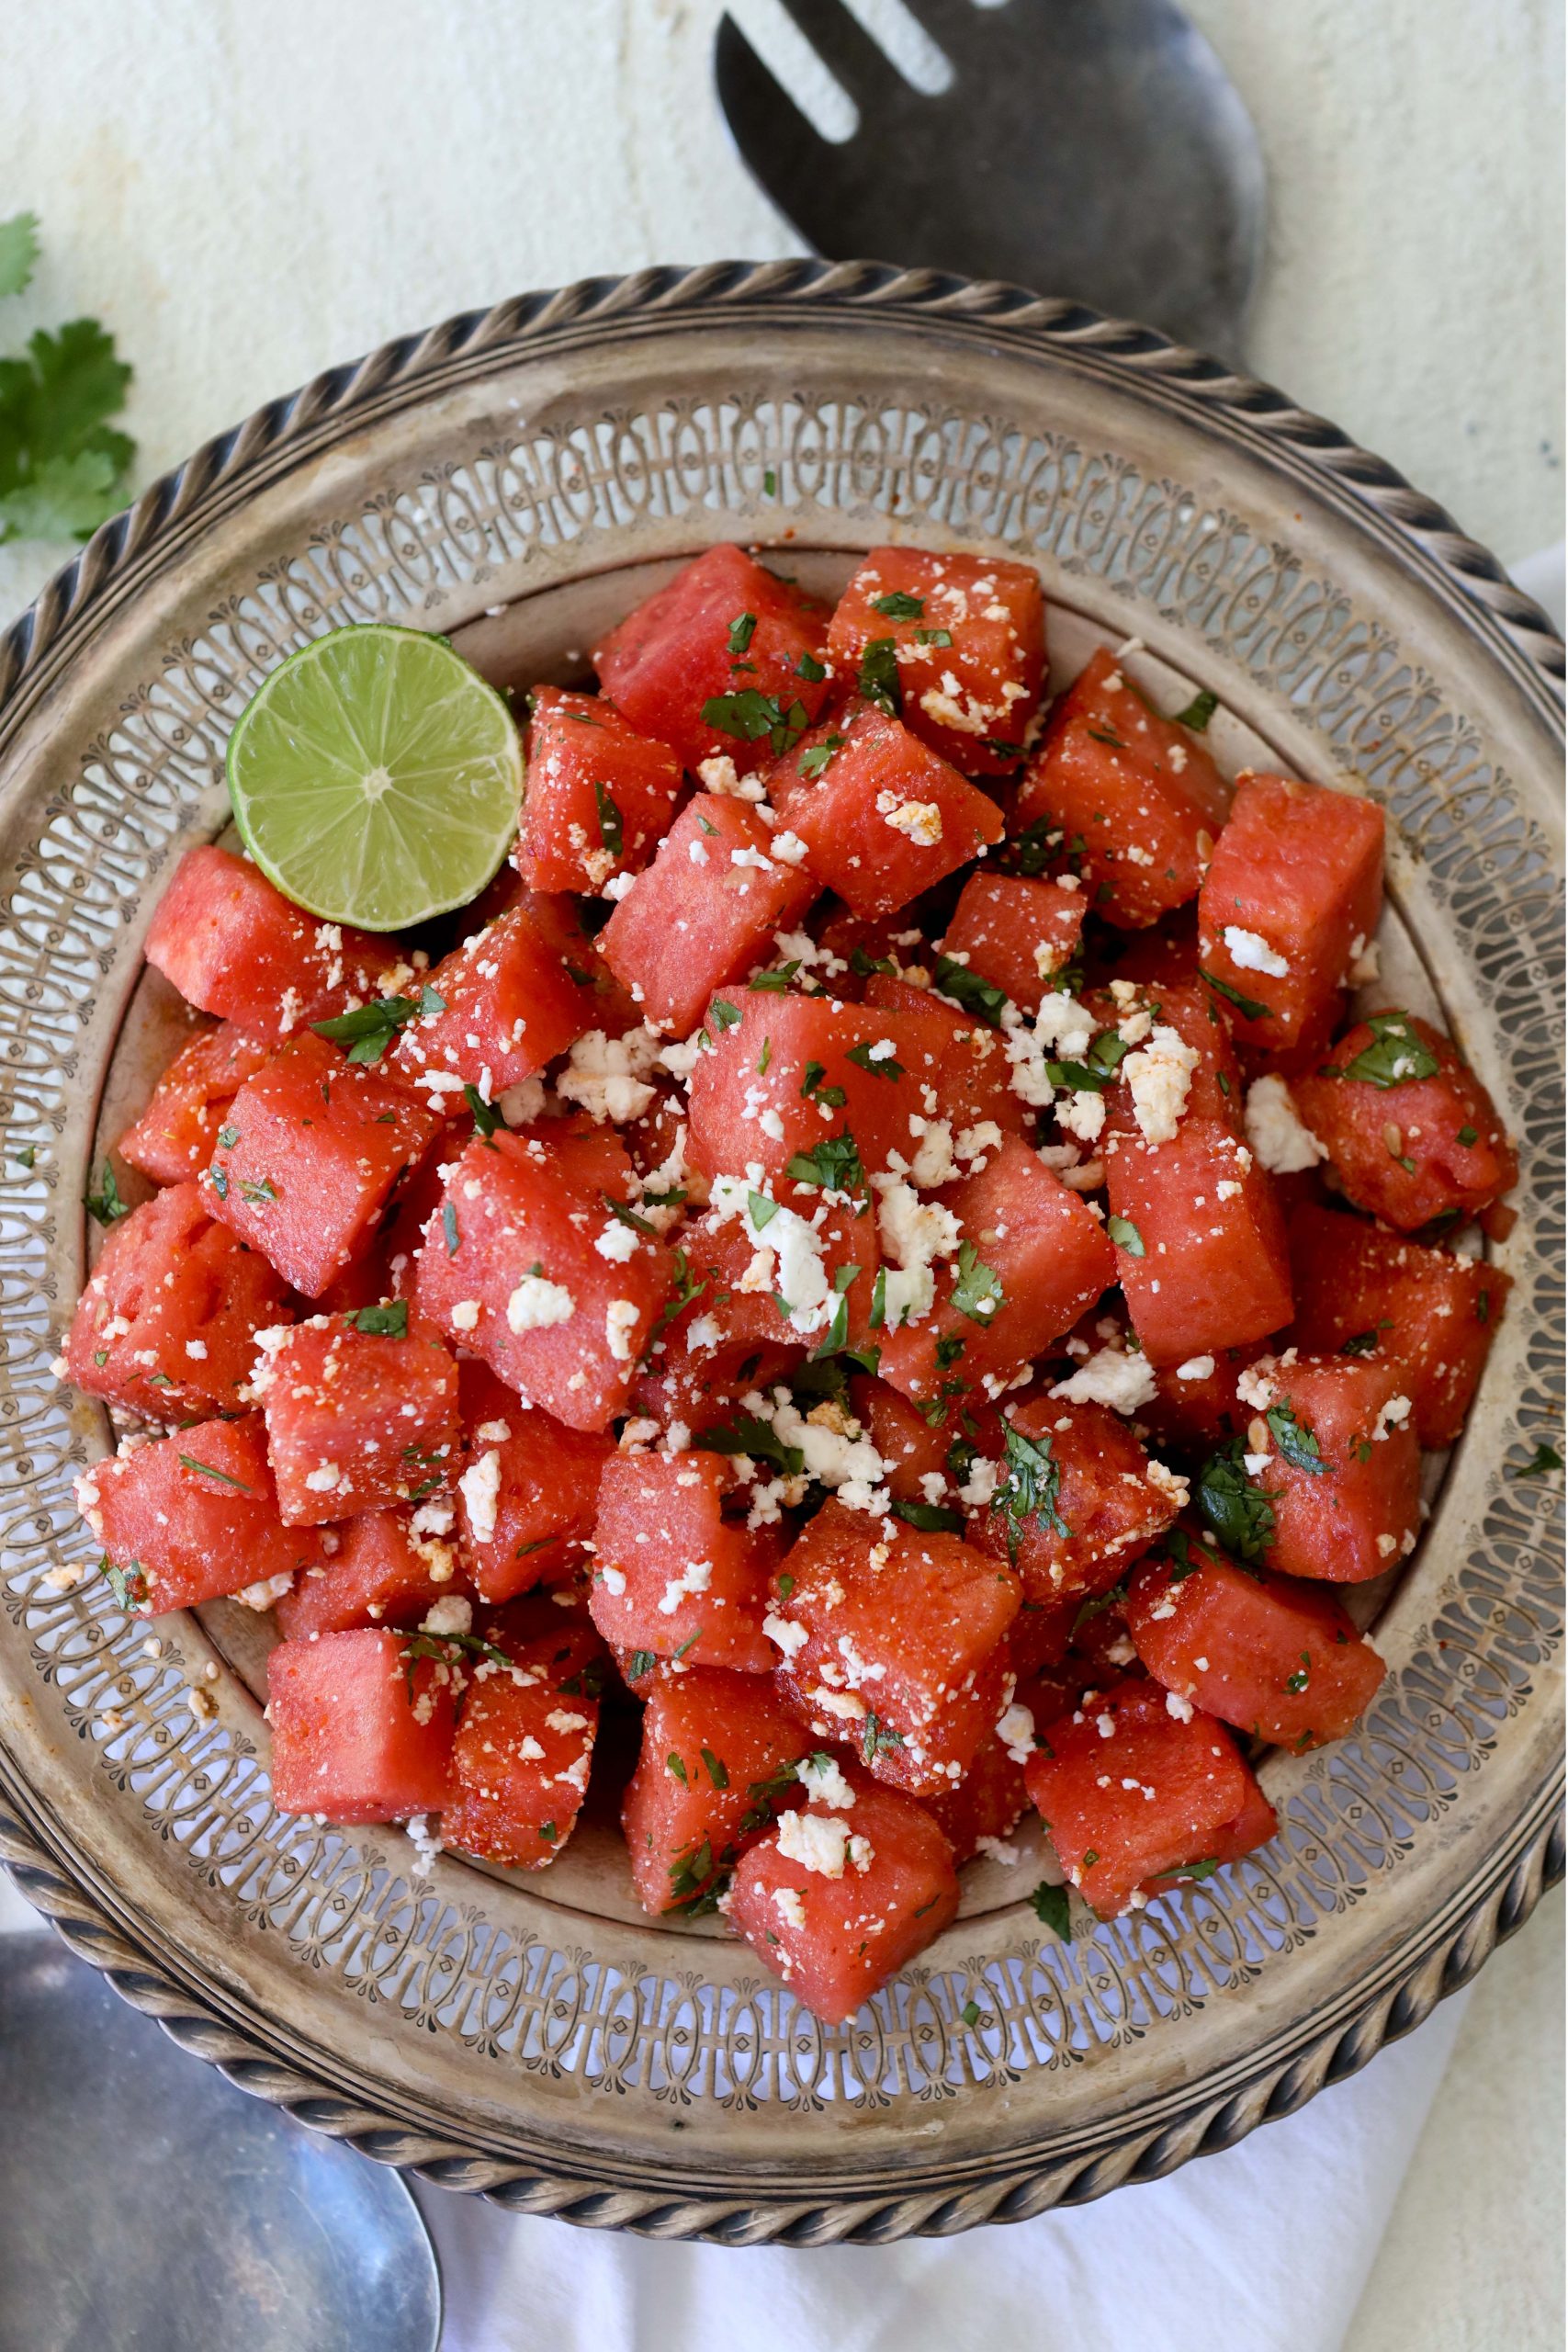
(515, 478)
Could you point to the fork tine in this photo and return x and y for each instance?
(781, 147)
(862, 68)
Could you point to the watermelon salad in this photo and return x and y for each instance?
(875, 1258)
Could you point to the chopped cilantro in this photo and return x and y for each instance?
(743, 628)
(129, 1585)
(886, 1067)
(611, 831)
(369, 1029)
(1052, 1909)
(672, 1764)
(625, 1215)
(877, 1738)
(810, 669)
(640, 1662)
(879, 676)
(1241, 1514)
(1396, 1056)
(750, 714)
(1542, 1462)
(1031, 1488)
(206, 1470)
(896, 607)
(1362, 1342)
(228, 1137)
(1247, 1006)
(834, 1165)
(1467, 1136)
(1297, 1443)
(449, 1228)
(938, 636)
(1297, 1682)
(774, 983)
(770, 483)
(106, 1205)
(748, 1433)
(819, 756)
(832, 1098)
(722, 1014)
(929, 1519)
(257, 1192)
(715, 1769)
(486, 1118)
(967, 989)
(976, 1291)
(389, 1321)
(1199, 711)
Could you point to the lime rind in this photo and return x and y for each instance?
(376, 778)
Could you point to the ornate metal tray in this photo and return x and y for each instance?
(513, 476)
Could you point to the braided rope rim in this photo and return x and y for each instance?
(1443, 1954)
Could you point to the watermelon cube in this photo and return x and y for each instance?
(166, 1326)
(563, 922)
(1015, 932)
(174, 1138)
(724, 662)
(973, 1078)
(1331, 1454)
(309, 1157)
(1216, 1086)
(1032, 1258)
(1130, 1791)
(704, 914)
(1136, 798)
(1292, 898)
(770, 1265)
(988, 1802)
(526, 1265)
(382, 1569)
(671, 1573)
(525, 1746)
(1363, 1291)
(960, 643)
(882, 815)
(790, 1077)
(1200, 1247)
(890, 1640)
(837, 1902)
(189, 1517)
(501, 1006)
(235, 946)
(362, 1728)
(1410, 1131)
(1075, 1498)
(718, 1763)
(599, 794)
(1277, 1658)
(361, 1415)
(530, 1492)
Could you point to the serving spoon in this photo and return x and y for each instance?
(1095, 149)
(147, 2205)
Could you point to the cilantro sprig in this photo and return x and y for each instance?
(63, 466)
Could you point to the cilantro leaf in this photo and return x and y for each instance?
(977, 1292)
(1247, 1006)
(743, 628)
(834, 1165)
(879, 681)
(1542, 1462)
(128, 1585)
(612, 832)
(1125, 1235)
(1241, 1514)
(748, 1433)
(369, 1029)
(819, 756)
(967, 989)
(1199, 711)
(929, 1519)
(106, 1206)
(389, 1321)
(1396, 1056)
(896, 607)
(750, 714)
(18, 250)
(1051, 1908)
(1296, 1441)
(1032, 1485)
(875, 1067)
(62, 466)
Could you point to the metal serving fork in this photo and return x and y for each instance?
(1090, 148)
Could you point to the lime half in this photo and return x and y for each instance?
(376, 778)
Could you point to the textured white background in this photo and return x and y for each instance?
(249, 191)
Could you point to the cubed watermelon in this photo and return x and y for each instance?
(671, 1573)
(1015, 932)
(882, 815)
(1032, 1260)
(704, 914)
(768, 1264)
(1131, 801)
(235, 946)
(1130, 1791)
(529, 1493)
(838, 1902)
(1332, 1470)
(973, 1082)
(599, 794)
(166, 1326)
(1200, 1244)
(989, 1801)
(361, 1414)
(500, 1007)
(1410, 1131)
(1363, 1291)
(362, 1726)
(890, 1641)
(174, 1138)
(718, 1762)
(724, 662)
(382, 1569)
(1273, 1656)
(525, 1746)
(189, 1517)
(1291, 899)
(960, 646)
(308, 1158)
(1075, 1498)
(527, 1265)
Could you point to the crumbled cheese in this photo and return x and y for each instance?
(785, 1634)
(1250, 952)
(1016, 1732)
(617, 1242)
(620, 1322)
(537, 1305)
(717, 775)
(1255, 1388)
(915, 1234)
(607, 1077)
(619, 887)
(464, 1315)
(920, 820)
(1392, 1415)
(451, 1615)
(824, 1783)
(821, 1842)
(1160, 1078)
(1275, 1130)
(1175, 1704)
(270, 1588)
(790, 1909)
(322, 1480)
(1196, 1368)
(479, 1487)
(1124, 1381)
(789, 849)
(1063, 1028)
